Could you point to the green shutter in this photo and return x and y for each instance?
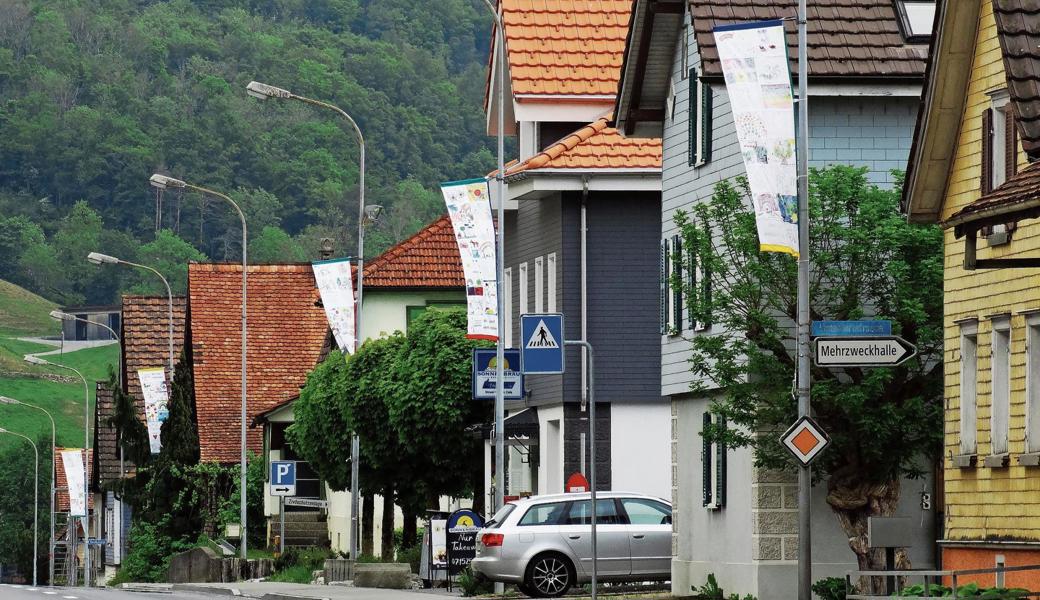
(676, 283)
(412, 313)
(664, 287)
(693, 300)
(720, 468)
(706, 459)
(694, 118)
(705, 317)
(705, 114)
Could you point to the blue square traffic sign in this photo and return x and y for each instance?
(541, 344)
(283, 478)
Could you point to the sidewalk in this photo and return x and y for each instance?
(292, 591)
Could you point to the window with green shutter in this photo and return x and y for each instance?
(700, 124)
(664, 286)
(714, 464)
(676, 284)
(707, 458)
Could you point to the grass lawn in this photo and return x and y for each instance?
(24, 313)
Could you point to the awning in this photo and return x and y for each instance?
(521, 424)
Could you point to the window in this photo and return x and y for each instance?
(539, 284)
(500, 517)
(646, 512)
(666, 287)
(700, 283)
(969, 376)
(550, 272)
(999, 156)
(606, 513)
(543, 514)
(675, 282)
(700, 121)
(1032, 382)
(507, 282)
(916, 18)
(1001, 386)
(713, 460)
(414, 312)
(523, 288)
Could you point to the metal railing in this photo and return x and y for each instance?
(893, 583)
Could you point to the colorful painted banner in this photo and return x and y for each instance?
(156, 402)
(758, 82)
(469, 206)
(72, 463)
(336, 285)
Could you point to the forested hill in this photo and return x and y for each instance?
(96, 95)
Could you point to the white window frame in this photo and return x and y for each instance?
(507, 280)
(701, 87)
(523, 288)
(998, 144)
(969, 351)
(1000, 386)
(550, 274)
(539, 284)
(1032, 382)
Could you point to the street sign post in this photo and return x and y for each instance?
(882, 351)
(851, 328)
(283, 483)
(805, 440)
(542, 341)
(484, 361)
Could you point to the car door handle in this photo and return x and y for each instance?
(638, 536)
(574, 537)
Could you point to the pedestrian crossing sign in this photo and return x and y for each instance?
(543, 341)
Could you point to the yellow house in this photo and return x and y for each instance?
(972, 170)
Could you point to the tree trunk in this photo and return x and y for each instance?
(410, 531)
(368, 526)
(387, 548)
(853, 501)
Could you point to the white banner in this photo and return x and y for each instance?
(156, 402)
(469, 206)
(758, 82)
(336, 286)
(72, 463)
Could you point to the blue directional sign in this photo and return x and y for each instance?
(851, 328)
(283, 478)
(484, 374)
(541, 338)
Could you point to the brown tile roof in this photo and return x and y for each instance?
(565, 47)
(145, 333)
(428, 259)
(1018, 28)
(1017, 198)
(105, 444)
(595, 146)
(847, 38)
(61, 482)
(287, 332)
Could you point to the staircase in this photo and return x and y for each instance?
(303, 529)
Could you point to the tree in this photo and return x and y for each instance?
(168, 254)
(867, 261)
(274, 246)
(16, 503)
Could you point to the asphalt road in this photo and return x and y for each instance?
(25, 592)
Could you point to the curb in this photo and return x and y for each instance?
(277, 596)
(146, 588)
(207, 589)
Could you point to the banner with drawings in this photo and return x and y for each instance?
(156, 404)
(758, 82)
(336, 286)
(469, 206)
(72, 464)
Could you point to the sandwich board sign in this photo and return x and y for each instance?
(541, 350)
(283, 478)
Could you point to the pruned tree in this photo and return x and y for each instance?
(868, 261)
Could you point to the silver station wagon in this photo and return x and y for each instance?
(543, 543)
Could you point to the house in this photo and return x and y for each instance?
(866, 64)
(89, 321)
(581, 236)
(973, 170)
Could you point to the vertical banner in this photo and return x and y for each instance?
(156, 401)
(469, 206)
(758, 82)
(336, 286)
(72, 463)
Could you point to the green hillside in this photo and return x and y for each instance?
(23, 313)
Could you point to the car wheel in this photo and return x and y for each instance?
(549, 576)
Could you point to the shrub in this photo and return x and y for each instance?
(412, 556)
(831, 588)
(474, 585)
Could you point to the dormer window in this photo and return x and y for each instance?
(916, 18)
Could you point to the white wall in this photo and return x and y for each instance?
(550, 449)
(384, 312)
(640, 448)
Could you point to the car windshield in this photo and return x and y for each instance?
(500, 516)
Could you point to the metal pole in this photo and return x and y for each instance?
(804, 404)
(86, 483)
(592, 454)
(281, 536)
(355, 441)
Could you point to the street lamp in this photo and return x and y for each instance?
(103, 259)
(36, 499)
(366, 216)
(54, 443)
(163, 182)
(36, 360)
(58, 315)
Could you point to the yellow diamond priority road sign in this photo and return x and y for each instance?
(805, 440)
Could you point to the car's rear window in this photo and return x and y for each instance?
(500, 517)
(543, 514)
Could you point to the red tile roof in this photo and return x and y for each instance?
(146, 337)
(595, 146)
(286, 334)
(428, 259)
(61, 482)
(105, 439)
(566, 47)
(1017, 198)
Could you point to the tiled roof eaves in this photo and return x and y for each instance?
(427, 260)
(1018, 198)
(596, 147)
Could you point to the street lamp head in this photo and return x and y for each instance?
(162, 182)
(264, 91)
(35, 360)
(98, 258)
(57, 315)
(372, 213)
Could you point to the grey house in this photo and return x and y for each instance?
(866, 64)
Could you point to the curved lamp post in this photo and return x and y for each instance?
(50, 553)
(36, 498)
(163, 182)
(36, 360)
(103, 259)
(366, 216)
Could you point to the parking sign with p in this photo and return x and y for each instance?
(283, 478)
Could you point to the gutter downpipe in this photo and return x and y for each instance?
(584, 308)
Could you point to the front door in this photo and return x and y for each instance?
(611, 537)
(650, 535)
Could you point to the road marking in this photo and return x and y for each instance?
(69, 597)
(51, 593)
